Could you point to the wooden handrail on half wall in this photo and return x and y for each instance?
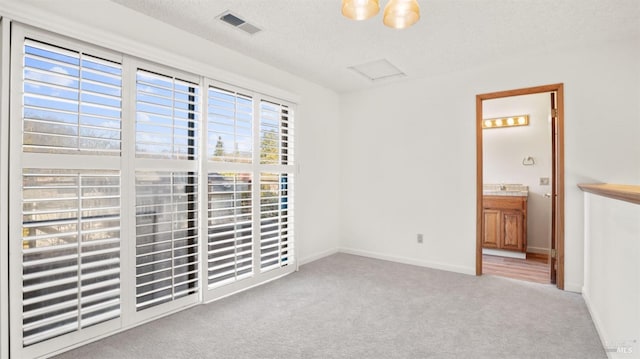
(623, 192)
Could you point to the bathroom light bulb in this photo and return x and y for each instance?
(521, 120)
(499, 122)
(487, 123)
(510, 121)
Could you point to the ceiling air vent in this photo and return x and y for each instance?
(238, 23)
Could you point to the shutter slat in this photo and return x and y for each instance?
(50, 333)
(49, 283)
(112, 295)
(103, 283)
(49, 320)
(154, 301)
(50, 308)
(45, 261)
(49, 273)
(50, 296)
(115, 313)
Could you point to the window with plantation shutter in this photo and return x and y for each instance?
(230, 126)
(250, 227)
(230, 239)
(112, 223)
(71, 251)
(276, 187)
(65, 219)
(166, 188)
(72, 101)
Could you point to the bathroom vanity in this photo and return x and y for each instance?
(504, 213)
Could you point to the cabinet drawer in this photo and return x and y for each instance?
(504, 202)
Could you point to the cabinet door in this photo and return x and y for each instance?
(513, 238)
(491, 236)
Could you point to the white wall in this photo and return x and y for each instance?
(107, 24)
(409, 151)
(504, 150)
(612, 272)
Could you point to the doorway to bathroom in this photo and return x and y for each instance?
(520, 184)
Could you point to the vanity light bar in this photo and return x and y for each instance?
(519, 120)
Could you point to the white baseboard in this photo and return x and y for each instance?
(614, 349)
(316, 256)
(572, 287)
(421, 263)
(596, 322)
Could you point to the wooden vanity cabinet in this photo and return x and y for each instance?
(505, 222)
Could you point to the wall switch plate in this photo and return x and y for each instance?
(420, 238)
(544, 181)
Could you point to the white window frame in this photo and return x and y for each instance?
(5, 35)
(130, 315)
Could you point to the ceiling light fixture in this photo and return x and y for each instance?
(398, 14)
(360, 9)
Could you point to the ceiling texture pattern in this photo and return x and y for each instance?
(311, 39)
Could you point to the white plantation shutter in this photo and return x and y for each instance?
(276, 187)
(230, 132)
(166, 116)
(71, 251)
(276, 134)
(72, 101)
(67, 207)
(276, 220)
(166, 237)
(230, 240)
(167, 121)
(250, 227)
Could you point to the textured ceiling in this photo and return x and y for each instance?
(311, 39)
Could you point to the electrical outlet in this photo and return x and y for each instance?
(544, 181)
(420, 238)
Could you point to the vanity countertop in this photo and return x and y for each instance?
(513, 190)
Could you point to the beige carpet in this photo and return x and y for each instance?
(346, 306)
